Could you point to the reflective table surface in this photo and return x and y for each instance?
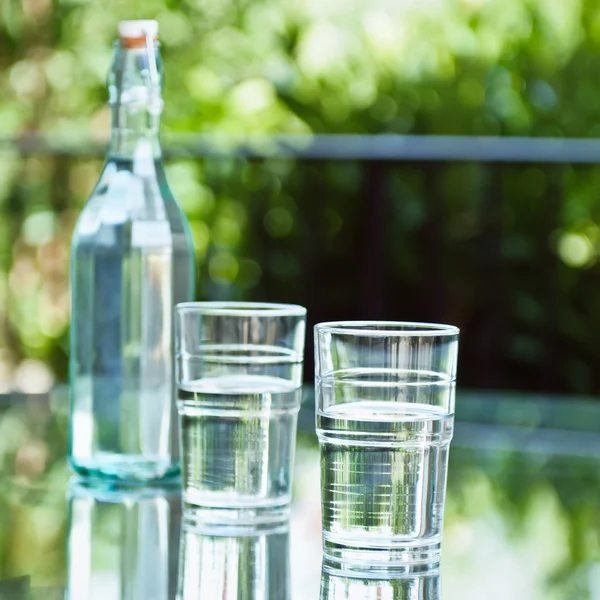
(522, 518)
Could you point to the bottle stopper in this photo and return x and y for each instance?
(135, 34)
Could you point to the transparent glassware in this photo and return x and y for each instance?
(132, 260)
(241, 563)
(339, 585)
(123, 542)
(384, 417)
(239, 378)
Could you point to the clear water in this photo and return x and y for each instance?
(384, 461)
(238, 437)
(132, 259)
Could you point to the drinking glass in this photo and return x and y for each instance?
(239, 376)
(234, 563)
(369, 585)
(385, 417)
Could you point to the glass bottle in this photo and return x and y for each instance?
(132, 260)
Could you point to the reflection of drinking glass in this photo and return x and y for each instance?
(122, 543)
(366, 586)
(385, 415)
(239, 372)
(248, 563)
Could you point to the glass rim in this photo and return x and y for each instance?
(241, 309)
(388, 328)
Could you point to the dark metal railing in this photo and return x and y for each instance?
(438, 228)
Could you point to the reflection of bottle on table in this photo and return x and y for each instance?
(248, 563)
(122, 544)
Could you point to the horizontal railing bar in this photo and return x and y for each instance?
(552, 442)
(385, 147)
(551, 435)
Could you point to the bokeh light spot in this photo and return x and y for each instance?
(252, 95)
(250, 273)
(33, 377)
(201, 235)
(226, 232)
(39, 228)
(278, 222)
(575, 250)
(223, 267)
(384, 109)
(471, 92)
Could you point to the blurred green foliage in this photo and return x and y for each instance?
(437, 66)
(508, 253)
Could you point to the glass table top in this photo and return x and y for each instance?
(522, 518)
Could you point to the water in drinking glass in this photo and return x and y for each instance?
(238, 438)
(238, 372)
(384, 438)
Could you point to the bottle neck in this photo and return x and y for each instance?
(132, 130)
(135, 84)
